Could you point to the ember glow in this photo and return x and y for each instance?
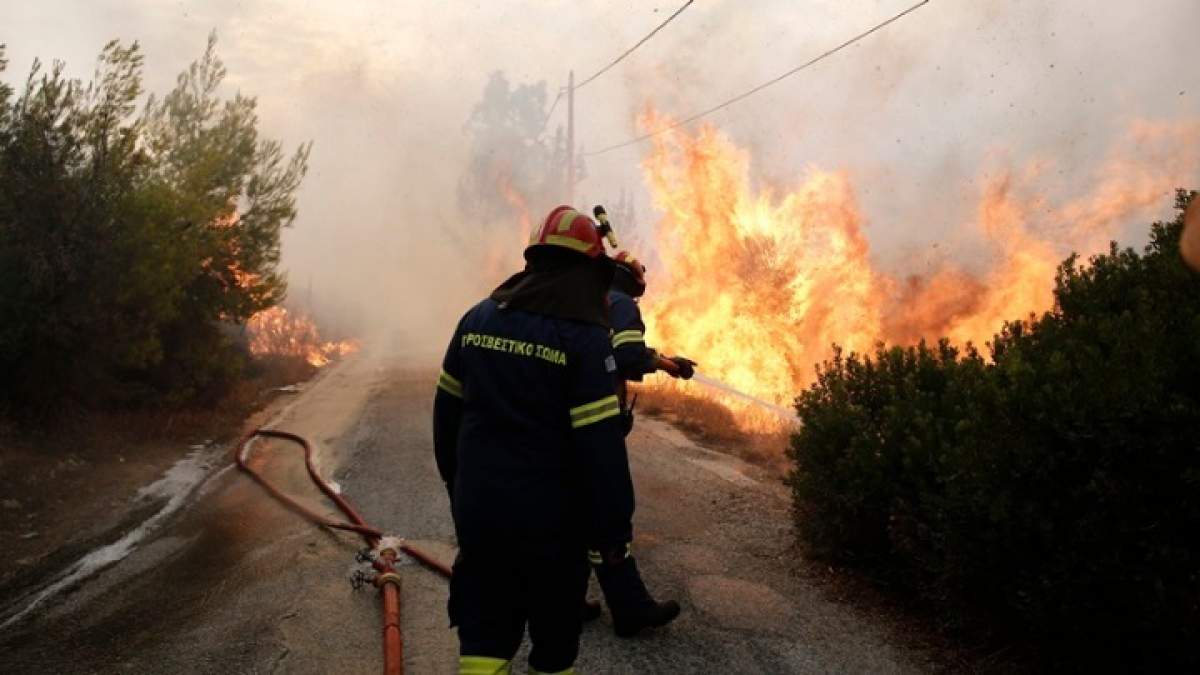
(277, 332)
(758, 285)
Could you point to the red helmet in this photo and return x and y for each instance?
(636, 268)
(571, 229)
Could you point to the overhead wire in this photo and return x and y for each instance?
(550, 112)
(612, 63)
(639, 43)
(750, 92)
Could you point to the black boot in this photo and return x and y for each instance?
(655, 615)
(630, 603)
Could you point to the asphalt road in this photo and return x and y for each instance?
(232, 583)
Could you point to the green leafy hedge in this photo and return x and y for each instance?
(1052, 491)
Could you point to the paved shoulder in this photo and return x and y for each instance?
(236, 584)
(716, 534)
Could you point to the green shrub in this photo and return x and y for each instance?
(1053, 490)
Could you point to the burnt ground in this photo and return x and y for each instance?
(232, 583)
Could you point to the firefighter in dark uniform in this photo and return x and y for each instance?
(634, 358)
(528, 438)
(631, 605)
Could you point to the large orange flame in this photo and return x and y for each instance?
(1028, 235)
(758, 286)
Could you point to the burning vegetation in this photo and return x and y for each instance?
(276, 332)
(769, 281)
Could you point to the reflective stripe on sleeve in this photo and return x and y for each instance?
(483, 665)
(627, 336)
(450, 384)
(590, 413)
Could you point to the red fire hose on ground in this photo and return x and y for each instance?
(386, 550)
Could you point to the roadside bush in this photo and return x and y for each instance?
(1052, 491)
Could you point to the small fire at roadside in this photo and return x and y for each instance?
(277, 332)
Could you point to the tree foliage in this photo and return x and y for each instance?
(1054, 489)
(128, 237)
(510, 152)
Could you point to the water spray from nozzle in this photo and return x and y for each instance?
(786, 414)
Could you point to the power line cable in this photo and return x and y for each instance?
(551, 112)
(764, 85)
(641, 42)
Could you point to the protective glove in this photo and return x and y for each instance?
(685, 368)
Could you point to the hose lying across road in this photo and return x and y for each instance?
(386, 549)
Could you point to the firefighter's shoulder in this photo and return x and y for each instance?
(623, 311)
(478, 312)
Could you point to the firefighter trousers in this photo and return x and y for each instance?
(495, 593)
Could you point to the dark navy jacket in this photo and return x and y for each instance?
(527, 433)
(634, 358)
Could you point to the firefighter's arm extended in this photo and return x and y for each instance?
(634, 357)
(598, 439)
(676, 366)
(447, 414)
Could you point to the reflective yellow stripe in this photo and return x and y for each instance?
(483, 665)
(588, 408)
(599, 415)
(595, 411)
(594, 405)
(627, 336)
(569, 242)
(564, 220)
(449, 384)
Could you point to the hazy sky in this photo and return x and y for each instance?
(916, 113)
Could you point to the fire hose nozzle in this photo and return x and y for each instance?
(605, 227)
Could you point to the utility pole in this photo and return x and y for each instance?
(571, 138)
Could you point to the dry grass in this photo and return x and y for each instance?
(752, 435)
